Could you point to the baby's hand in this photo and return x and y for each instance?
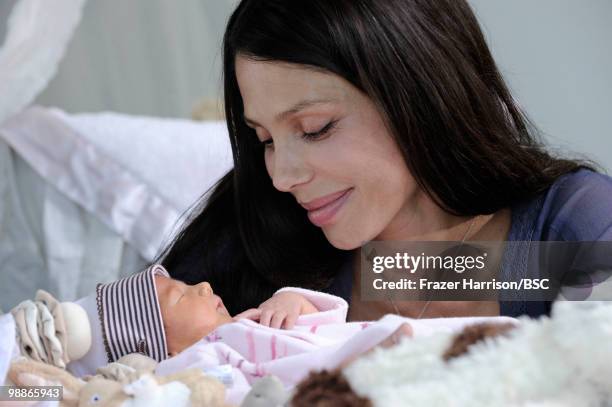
(280, 311)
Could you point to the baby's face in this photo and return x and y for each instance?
(190, 312)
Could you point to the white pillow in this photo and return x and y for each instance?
(136, 174)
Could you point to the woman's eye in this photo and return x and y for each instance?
(317, 134)
(269, 143)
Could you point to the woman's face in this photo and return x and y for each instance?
(189, 312)
(327, 145)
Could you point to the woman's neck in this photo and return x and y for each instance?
(422, 220)
(425, 221)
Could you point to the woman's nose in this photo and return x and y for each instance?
(287, 168)
(204, 289)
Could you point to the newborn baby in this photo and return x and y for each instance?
(190, 312)
(151, 313)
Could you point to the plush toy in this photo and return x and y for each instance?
(51, 332)
(127, 368)
(190, 387)
(561, 361)
(26, 372)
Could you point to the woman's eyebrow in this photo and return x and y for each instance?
(304, 104)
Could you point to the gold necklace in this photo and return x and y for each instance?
(465, 235)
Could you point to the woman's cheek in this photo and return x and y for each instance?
(269, 161)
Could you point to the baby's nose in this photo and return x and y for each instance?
(204, 289)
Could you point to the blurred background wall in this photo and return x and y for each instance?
(146, 57)
(163, 58)
(556, 55)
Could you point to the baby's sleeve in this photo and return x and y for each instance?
(332, 309)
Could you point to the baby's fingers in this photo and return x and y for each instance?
(277, 319)
(290, 321)
(266, 317)
(253, 314)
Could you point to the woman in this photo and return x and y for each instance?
(393, 116)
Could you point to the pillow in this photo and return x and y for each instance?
(138, 175)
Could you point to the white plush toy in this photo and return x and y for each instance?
(51, 332)
(78, 338)
(561, 361)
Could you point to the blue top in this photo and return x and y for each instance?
(577, 207)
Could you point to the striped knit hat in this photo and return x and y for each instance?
(130, 316)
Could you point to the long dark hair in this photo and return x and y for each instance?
(427, 67)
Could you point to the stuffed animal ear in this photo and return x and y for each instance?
(473, 334)
(138, 361)
(327, 388)
(26, 372)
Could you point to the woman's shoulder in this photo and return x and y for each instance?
(582, 181)
(577, 207)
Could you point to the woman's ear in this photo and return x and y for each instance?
(27, 372)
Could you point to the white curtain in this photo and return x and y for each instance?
(36, 38)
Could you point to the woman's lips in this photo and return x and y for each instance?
(324, 200)
(324, 213)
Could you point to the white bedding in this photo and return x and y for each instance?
(90, 198)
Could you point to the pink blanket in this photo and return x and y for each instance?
(321, 340)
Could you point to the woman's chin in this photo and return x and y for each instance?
(342, 241)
